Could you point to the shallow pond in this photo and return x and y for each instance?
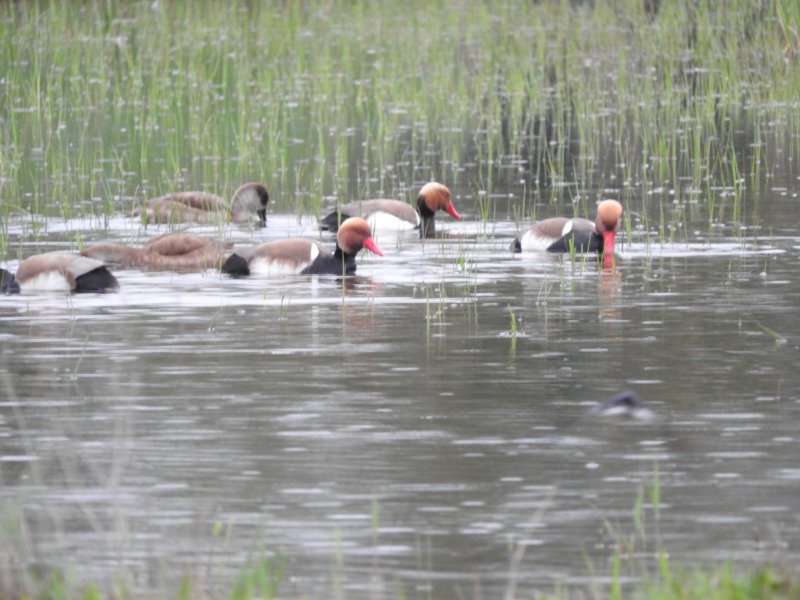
(414, 431)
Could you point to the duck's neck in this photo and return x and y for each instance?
(427, 219)
(348, 261)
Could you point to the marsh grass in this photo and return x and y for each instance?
(637, 566)
(260, 578)
(640, 567)
(106, 103)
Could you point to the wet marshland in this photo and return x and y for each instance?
(416, 430)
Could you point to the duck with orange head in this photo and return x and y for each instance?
(304, 257)
(393, 216)
(564, 234)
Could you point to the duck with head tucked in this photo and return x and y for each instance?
(59, 272)
(170, 251)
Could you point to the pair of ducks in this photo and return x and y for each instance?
(87, 272)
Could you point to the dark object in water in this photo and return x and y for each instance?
(626, 404)
(8, 284)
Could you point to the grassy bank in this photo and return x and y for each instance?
(637, 566)
(104, 103)
(263, 580)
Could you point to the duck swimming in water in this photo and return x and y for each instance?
(170, 251)
(59, 272)
(393, 215)
(305, 257)
(202, 207)
(563, 234)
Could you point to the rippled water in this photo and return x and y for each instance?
(390, 435)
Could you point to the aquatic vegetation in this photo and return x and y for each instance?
(638, 568)
(721, 583)
(104, 104)
(263, 580)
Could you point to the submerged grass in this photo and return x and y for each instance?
(638, 568)
(721, 583)
(104, 103)
(263, 580)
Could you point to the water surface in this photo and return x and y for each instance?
(395, 431)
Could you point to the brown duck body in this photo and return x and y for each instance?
(304, 257)
(170, 251)
(202, 207)
(393, 215)
(61, 272)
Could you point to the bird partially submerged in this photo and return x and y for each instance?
(563, 234)
(59, 272)
(177, 251)
(203, 207)
(304, 257)
(625, 404)
(385, 215)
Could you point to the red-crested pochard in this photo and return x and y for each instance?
(59, 272)
(170, 251)
(203, 207)
(305, 257)
(394, 215)
(562, 234)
